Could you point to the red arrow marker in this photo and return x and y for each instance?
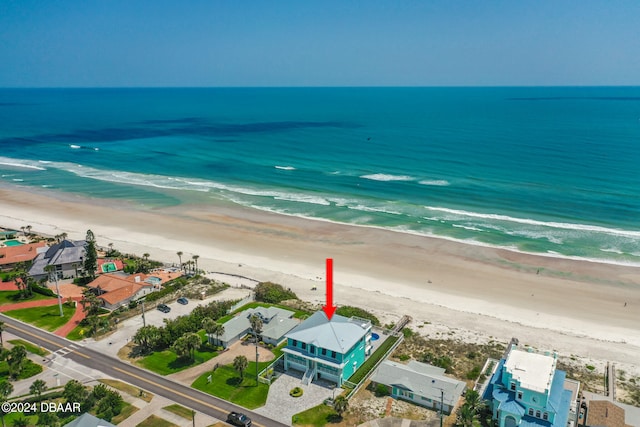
(329, 309)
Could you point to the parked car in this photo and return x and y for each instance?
(183, 301)
(164, 308)
(238, 419)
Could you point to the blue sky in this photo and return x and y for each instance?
(318, 43)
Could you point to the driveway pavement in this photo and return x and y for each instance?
(282, 407)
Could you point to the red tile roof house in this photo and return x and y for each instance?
(116, 290)
(11, 255)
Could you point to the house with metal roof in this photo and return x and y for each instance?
(67, 256)
(420, 383)
(88, 420)
(527, 390)
(276, 322)
(328, 349)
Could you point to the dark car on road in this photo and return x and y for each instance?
(164, 308)
(238, 419)
(183, 301)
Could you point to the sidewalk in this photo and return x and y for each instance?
(77, 317)
(28, 304)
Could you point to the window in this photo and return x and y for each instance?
(519, 395)
(333, 354)
(531, 412)
(324, 352)
(537, 414)
(513, 386)
(304, 345)
(545, 416)
(294, 343)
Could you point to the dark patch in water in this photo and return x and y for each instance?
(170, 121)
(202, 130)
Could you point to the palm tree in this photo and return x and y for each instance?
(63, 236)
(180, 258)
(1, 331)
(472, 399)
(465, 416)
(256, 326)
(193, 342)
(5, 390)
(51, 269)
(240, 363)
(219, 330)
(340, 405)
(209, 326)
(28, 228)
(23, 233)
(195, 260)
(38, 387)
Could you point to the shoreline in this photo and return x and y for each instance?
(576, 307)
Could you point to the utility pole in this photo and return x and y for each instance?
(51, 269)
(441, 406)
(143, 321)
(193, 417)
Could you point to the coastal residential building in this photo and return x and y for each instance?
(12, 255)
(116, 290)
(604, 413)
(88, 420)
(276, 322)
(67, 257)
(527, 390)
(420, 383)
(328, 349)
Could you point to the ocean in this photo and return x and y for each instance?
(548, 170)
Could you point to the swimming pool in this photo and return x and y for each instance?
(374, 336)
(13, 243)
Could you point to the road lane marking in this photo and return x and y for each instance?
(186, 396)
(36, 336)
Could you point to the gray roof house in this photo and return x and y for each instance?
(67, 256)
(88, 420)
(420, 383)
(329, 349)
(276, 322)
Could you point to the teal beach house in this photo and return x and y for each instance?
(326, 349)
(527, 390)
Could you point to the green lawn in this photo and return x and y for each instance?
(167, 362)
(31, 348)
(226, 384)
(78, 333)
(317, 416)
(30, 369)
(180, 411)
(127, 410)
(154, 421)
(47, 318)
(12, 297)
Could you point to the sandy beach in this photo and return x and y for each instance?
(574, 307)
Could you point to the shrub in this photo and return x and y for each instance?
(296, 392)
(381, 390)
(273, 293)
(474, 373)
(404, 357)
(42, 290)
(408, 333)
(349, 311)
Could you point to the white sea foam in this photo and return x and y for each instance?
(285, 168)
(467, 227)
(20, 163)
(17, 180)
(612, 250)
(561, 225)
(387, 177)
(373, 209)
(75, 147)
(435, 182)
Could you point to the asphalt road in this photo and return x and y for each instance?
(142, 378)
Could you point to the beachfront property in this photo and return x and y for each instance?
(8, 234)
(603, 413)
(420, 383)
(328, 349)
(116, 290)
(67, 257)
(88, 420)
(527, 390)
(12, 255)
(276, 322)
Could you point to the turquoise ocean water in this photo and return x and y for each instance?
(554, 171)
